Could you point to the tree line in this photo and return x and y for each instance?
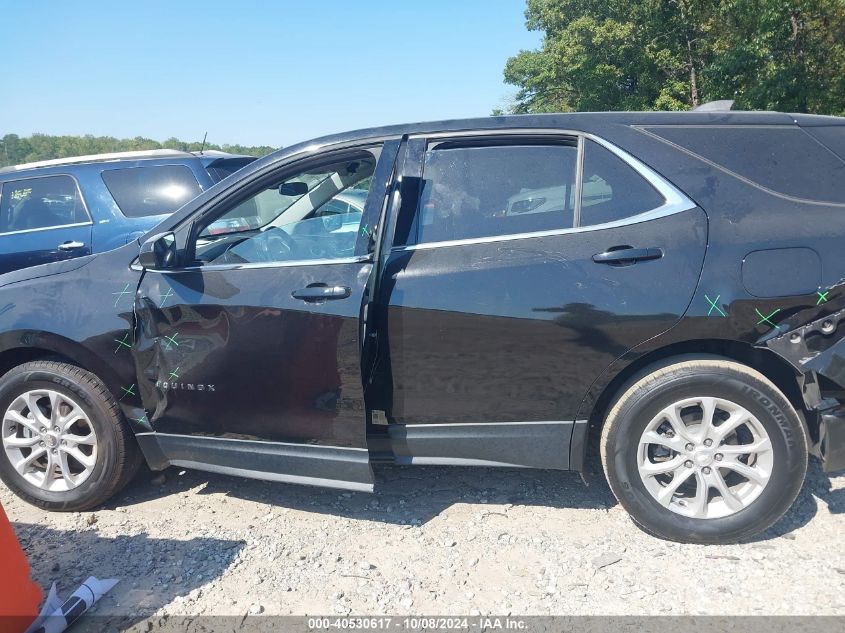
(15, 150)
(785, 55)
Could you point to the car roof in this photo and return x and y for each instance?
(576, 120)
(563, 120)
(155, 154)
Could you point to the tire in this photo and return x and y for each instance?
(759, 485)
(105, 459)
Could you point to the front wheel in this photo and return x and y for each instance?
(704, 451)
(64, 443)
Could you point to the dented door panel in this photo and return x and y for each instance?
(89, 321)
(230, 353)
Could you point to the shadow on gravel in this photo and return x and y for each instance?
(403, 496)
(414, 495)
(817, 485)
(152, 572)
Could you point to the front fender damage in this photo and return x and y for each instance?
(817, 349)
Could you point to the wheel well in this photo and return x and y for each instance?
(766, 362)
(14, 357)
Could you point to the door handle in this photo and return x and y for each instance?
(70, 246)
(627, 254)
(321, 292)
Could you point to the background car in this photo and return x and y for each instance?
(60, 209)
(550, 199)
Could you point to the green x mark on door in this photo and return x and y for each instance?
(165, 297)
(171, 341)
(767, 319)
(124, 342)
(822, 296)
(120, 294)
(174, 375)
(128, 391)
(714, 306)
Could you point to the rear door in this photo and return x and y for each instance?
(522, 266)
(249, 358)
(42, 220)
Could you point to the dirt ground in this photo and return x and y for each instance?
(433, 540)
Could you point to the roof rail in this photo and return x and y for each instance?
(212, 152)
(98, 158)
(723, 105)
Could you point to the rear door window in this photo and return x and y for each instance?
(494, 190)
(156, 190)
(471, 192)
(41, 203)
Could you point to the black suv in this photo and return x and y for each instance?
(670, 281)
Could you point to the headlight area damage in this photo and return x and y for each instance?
(817, 351)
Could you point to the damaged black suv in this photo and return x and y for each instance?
(664, 289)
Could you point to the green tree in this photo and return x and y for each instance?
(781, 55)
(676, 54)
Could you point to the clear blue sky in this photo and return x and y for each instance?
(250, 72)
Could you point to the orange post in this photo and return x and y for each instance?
(20, 597)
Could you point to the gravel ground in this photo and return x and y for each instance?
(430, 541)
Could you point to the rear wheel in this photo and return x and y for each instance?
(704, 451)
(64, 443)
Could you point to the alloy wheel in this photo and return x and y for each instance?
(49, 440)
(705, 457)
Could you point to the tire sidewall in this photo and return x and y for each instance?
(17, 382)
(771, 409)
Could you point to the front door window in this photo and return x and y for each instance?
(311, 215)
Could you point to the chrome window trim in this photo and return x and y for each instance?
(360, 259)
(58, 226)
(675, 200)
(48, 228)
(579, 181)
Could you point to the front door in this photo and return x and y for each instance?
(249, 358)
(523, 268)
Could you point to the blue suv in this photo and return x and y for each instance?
(60, 209)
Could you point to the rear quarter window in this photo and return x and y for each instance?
(785, 160)
(611, 190)
(155, 190)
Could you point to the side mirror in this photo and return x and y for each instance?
(293, 188)
(158, 252)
